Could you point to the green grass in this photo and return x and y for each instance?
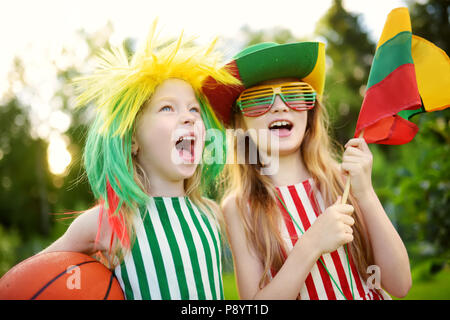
(437, 288)
(425, 286)
(428, 286)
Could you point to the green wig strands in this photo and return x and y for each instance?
(119, 88)
(212, 163)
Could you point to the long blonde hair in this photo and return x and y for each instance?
(256, 192)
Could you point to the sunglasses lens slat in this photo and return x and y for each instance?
(299, 96)
(256, 109)
(258, 100)
(261, 100)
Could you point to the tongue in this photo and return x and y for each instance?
(186, 152)
(281, 131)
(186, 156)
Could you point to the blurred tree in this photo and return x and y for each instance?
(350, 52)
(9, 242)
(431, 20)
(278, 35)
(415, 186)
(24, 174)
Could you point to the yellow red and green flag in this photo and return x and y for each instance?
(409, 75)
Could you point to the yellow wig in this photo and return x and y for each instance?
(120, 87)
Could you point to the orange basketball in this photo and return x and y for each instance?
(60, 276)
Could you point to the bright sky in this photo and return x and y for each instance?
(37, 31)
(40, 25)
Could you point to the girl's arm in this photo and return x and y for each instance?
(81, 234)
(291, 277)
(388, 249)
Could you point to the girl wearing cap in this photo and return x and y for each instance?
(142, 154)
(289, 234)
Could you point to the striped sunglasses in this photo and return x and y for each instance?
(256, 101)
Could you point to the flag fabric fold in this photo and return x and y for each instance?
(409, 75)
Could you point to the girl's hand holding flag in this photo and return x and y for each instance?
(357, 165)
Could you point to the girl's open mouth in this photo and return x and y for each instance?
(185, 146)
(281, 128)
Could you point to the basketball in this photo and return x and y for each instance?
(60, 276)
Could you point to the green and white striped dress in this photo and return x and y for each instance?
(176, 254)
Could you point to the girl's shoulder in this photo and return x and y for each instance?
(86, 223)
(94, 222)
(229, 201)
(230, 206)
(81, 235)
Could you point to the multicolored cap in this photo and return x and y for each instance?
(265, 61)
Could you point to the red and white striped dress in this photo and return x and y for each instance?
(305, 204)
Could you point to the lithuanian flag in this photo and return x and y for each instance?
(409, 75)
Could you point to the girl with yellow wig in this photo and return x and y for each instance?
(145, 162)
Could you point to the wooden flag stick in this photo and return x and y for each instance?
(346, 191)
(347, 183)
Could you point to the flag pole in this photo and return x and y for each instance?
(347, 183)
(346, 191)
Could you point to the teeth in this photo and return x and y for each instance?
(279, 124)
(180, 139)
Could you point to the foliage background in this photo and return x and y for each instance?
(412, 181)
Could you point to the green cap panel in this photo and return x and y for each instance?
(261, 63)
